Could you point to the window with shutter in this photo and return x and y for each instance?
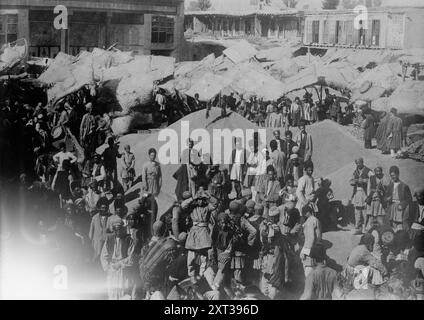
(162, 29)
(315, 31)
(368, 34)
(332, 32)
(308, 31)
(349, 32)
(8, 28)
(325, 32)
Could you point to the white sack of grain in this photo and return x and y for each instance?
(386, 76)
(135, 90)
(208, 86)
(121, 125)
(162, 67)
(59, 70)
(284, 68)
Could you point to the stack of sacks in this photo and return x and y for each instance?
(284, 68)
(123, 125)
(135, 90)
(339, 74)
(372, 84)
(208, 86)
(11, 55)
(275, 54)
(408, 98)
(251, 78)
(69, 74)
(304, 62)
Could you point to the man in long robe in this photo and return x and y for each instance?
(87, 130)
(398, 199)
(359, 182)
(394, 133)
(304, 141)
(118, 261)
(369, 129)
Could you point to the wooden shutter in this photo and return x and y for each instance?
(368, 34)
(349, 32)
(308, 31)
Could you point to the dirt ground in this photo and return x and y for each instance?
(334, 152)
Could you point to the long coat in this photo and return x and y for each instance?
(305, 146)
(394, 128)
(287, 148)
(182, 181)
(369, 127)
(243, 164)
(279, 163)
(119, 263)
(398, 211)
(381, 133)
(97, 234)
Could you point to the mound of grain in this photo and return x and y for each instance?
(141, 143)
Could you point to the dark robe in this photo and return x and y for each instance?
(182, 181)
(287, 148)
(394, 127)
(381, 133)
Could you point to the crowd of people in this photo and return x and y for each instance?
(390, 133)
(284, 112)
(251, 230)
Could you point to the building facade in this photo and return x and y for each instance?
(257, 23)
(384, 28)
(143, 26)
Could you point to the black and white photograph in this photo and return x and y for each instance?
(212, 150)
